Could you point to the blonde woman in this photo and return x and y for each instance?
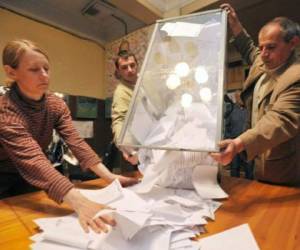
(28, 115)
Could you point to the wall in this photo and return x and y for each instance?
(77, 65)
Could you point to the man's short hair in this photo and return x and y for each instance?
(289, 28)
(124, 54)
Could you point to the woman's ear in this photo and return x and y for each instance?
(10, 72)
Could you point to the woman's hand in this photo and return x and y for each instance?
(86, 211)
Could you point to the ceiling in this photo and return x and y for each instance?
(107, 20)
(255, 13)
(93, 19)
(166, 5)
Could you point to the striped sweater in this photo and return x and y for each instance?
(26, 128)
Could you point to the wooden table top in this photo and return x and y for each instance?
(272, 212)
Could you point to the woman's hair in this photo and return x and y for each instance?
(14, 50)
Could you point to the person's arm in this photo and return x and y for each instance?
(234, 23)
(87, 210)
(132, 157)
(29, 159)
(82, 151)
(280, 123)
(35, 168)
(120, 105)
(100, 170)
(242, 41)
(229, 149)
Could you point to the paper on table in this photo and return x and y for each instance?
(104, 195)
(180, 244)
(169, 212)
(182, 201)
(143, 221)
(181, 235)
(66, 230)
(130, 213)
(68, 239)
(129, 201)
(47, 245)
(145, 239)
(131, 222)
(236, 238)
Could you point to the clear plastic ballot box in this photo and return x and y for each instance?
(178, 99)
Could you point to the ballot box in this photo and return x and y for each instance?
(178, 99)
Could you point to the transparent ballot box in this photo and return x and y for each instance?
(178, 100)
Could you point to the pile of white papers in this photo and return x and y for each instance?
(161, 219)
(177, 128)
(176, 169)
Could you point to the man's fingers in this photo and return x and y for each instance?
(132, 181)
(225, 6)
(125, 156)
(218, 157)
(127, 181)
(223, 144)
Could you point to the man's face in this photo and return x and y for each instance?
(128, 69)
(274, 50)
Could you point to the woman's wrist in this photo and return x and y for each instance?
(73, 198)
(103, 172)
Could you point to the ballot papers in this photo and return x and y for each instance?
(175, 169)
(165, 218)
(236, 238)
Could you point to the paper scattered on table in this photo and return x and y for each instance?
(163, 218)
(236, 238)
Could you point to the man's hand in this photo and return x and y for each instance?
(131, 158)
(233, 20)
(127, 181)
(104, 173)
(229, 149)
(86, 211)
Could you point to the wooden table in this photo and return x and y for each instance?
(273, 213)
